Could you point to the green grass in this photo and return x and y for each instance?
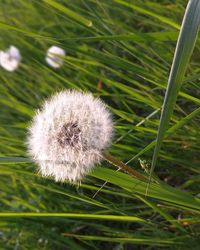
(128, 47)
(184, 48)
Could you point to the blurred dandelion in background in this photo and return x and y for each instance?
(10, 59)
(68, 135)
(54, 56)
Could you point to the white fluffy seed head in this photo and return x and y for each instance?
(68, 135)
(10, 59)
(54, 56)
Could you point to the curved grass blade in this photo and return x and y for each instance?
(159, 191)
(184, 49)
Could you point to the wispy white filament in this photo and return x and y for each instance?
(10, 59)
(54, 56)
(68, 135)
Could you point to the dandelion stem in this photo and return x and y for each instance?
(117, 163)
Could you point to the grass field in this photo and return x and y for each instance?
(122, 52)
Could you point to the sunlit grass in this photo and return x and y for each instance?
(124, 57)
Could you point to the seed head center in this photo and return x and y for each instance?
(69, 135)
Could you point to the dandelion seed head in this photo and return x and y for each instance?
(54, 56)
(69, 134)
(10, 59)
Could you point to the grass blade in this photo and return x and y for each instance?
(159, 191)
(184, 48)
(140, 37)
(135, 240)
(79, 216)
(71, 14)
(170, 131)
(13, 160)
(4, 26)
(149, 13)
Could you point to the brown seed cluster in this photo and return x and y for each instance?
(69, 135)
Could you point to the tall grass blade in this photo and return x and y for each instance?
(184, 48)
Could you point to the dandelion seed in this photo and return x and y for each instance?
(10, 59)
(69, 134)
(54, 56)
